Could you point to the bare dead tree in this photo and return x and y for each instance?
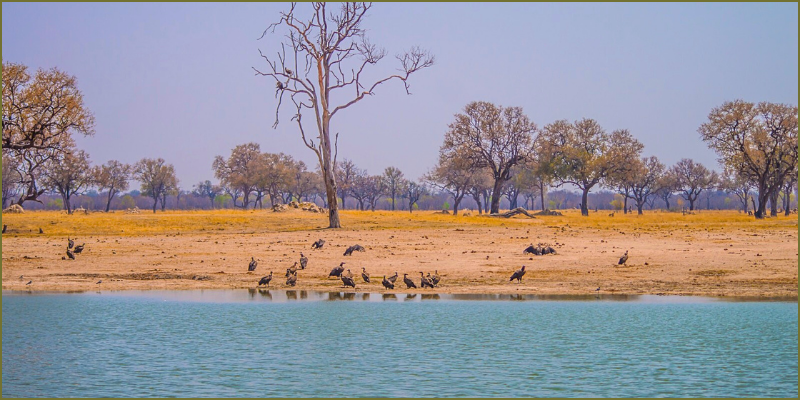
(322, 55)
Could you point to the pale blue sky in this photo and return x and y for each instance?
(175, 80)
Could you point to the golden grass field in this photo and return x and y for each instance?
(716, 253)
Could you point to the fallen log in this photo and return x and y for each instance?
(509, 214)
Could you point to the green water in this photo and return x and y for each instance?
(302, 344)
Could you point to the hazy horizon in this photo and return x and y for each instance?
(160, 76)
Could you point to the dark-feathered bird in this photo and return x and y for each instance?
(409, 283)
(393, 278)
(551, 250)
(29, 282)
(531, 250)
(364, 274)
(424, 282)
(624, 258)
(70, 255)
(41, 230)
(318, 244)
(288, 71)
(348, 274)
(518, 274)
(337, 271)
(253, 264)
(291, 280)
(265, 280)
(387, 283)
(79, 249)
(70, 243)
(99, 282)
(4, 228)
(348, 281)
(303, 261)
(351, 249)
(292, 270)
(435, 278)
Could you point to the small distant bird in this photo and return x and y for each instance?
(624, 258)
(598, 289)
(29, 282)
(279, 85)
(70, 255)
(393, 278)
(387, 284)
(21, 277)
(303, 261)
(70, 243)
(288, 71)
(253, 264)
(409, 283)
(291, 280)
(318, 244)
(351, 249)
(337, 271)
(518, 274)
(40, 230)
(265, 280)
(424, 282)
(435, 278)
(292, 270)
(79, 249)
(4, 228)
(99, 282)
(364, 274)
(348, 281)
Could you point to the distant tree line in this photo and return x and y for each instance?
(491, 157)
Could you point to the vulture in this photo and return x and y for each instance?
(387, 283)
(318, 244)
(291, 280)
(292, 270)
(518, 274)
(253, 264)
(424, 282)
(337, 271)
(4, 228)
(531, 250)
(348, 274)
(70, 255)
(435, 278)
(364, 274)
(550, 250)
(393, 278)
(409, 283)
(265, 280)
(351, 249)
(348, 281)
(303, 261)
(70, 243)
(29, 282)
(41, 230)
(79, 249)
(624, 258)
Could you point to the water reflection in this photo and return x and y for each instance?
(389, 296)
(411, 296)
(265, 294)
(291, 294)
(429, 296)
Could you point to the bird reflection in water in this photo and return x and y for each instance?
(411, 296)
(389, 296)
(430, 296)
(303, 294)
(265, 293)
(251, 292)
(291, 294)
(349, 296)
(333, 296)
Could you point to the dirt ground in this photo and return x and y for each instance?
(712, 253)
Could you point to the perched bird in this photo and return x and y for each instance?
(291, 280)
(41, 230)
(292, 270)
(303, 261)
(29, 282)
(279, 85)
(337, 271)
(265, 280)
(364, 274)
(351, 249)
(318, 244)
(518, 274)
(253, 264)
(70, 243)
(435, 278)
(348, 281)
(393, 278)
(387, 284)
(288, 71)
(424, 282)
(79, 249)
(70, 255)
(624, 258)
(409, 283)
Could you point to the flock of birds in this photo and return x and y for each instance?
(72, 249)
(426, 281)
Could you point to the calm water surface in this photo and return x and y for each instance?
(300, 344)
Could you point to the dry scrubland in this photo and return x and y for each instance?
(718, 253)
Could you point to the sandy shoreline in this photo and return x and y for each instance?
(666, 258)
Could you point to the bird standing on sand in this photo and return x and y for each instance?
(265, 280)
(364, 274)
(29, 282)
(79, 249)
(409, 283)
(318, 244)
(435, 278)
(292, 270)
(41, 230)
(387, 284)
(518, 274)
(303, 261)
(70, 255)
(99, 282)
(70, 243)
(624, 258)
(291, 280)
(253, 264)
(337, 271)
(424, 282)
(348, 281)
(393, 278)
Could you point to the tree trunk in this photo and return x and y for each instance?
(108, 203)
(787, 197)
(639, 206)
(691, 202)
(585, 202)
(67, 206)
(155, 203)
(773, 201)
(498, 186)
(762, 204)
(456, 201)
(625, 203)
